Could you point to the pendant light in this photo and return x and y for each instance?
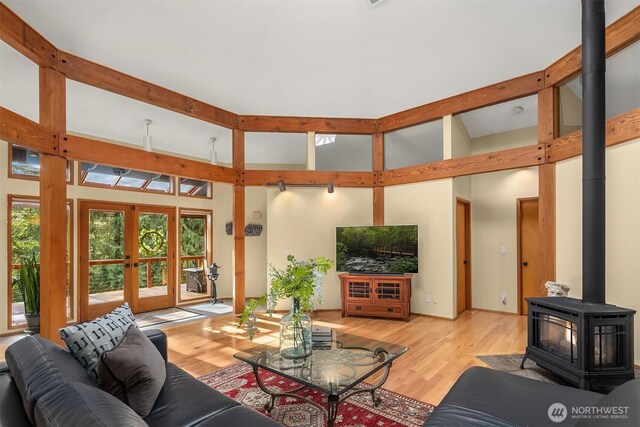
(213, 156)
(146, 139)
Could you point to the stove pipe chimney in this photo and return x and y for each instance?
(593, 151)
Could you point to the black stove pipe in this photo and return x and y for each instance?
(593, 151)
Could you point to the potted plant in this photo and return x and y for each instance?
(29, 285)
(300, 281)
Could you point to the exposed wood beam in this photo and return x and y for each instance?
(547, 131)
(28, 134)
(23, 38)
(622, 128)
(339, 179)
(53, 211)
(239, 288)
(483, 97)
(306, 124)
(620, 34)
(90, 150)
(488, 162)
(81, 70)
(378, 190)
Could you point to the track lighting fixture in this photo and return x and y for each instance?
(330, 187)
(281, 186)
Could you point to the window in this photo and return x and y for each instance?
(414, 145)
(25, 164)
(95, 175)
(195, 188)
(195, 246)
(24, 231)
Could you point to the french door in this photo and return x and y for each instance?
(127, 254)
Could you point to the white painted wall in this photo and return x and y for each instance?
(622, 228)
(430, 206)
(302, 222)
(256, 246)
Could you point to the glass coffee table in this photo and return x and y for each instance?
(337, 369)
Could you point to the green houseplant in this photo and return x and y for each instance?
(29, 286)
(299, 281)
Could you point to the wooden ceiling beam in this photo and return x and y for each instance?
(89, 150)
(307, 124)
(490, 95)
(339, 179)
(83, 71)
(619, 129)
(21, 131)
(23, 38)
(620, 34)
(488, 162)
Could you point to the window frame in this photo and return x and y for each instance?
(12, 175)
(11, 198)
(194, 213)
(209, 192)
(82, 176)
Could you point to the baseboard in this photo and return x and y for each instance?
(432, 316)
(495, 311)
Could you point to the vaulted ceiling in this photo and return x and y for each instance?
(339, 58)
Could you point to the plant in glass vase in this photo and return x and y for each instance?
(300, 281)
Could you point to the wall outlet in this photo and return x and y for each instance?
(503, 250)
(504, 298)
(427, 298)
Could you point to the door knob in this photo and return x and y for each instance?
(525, 263)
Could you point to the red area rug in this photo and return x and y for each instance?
(237, 381)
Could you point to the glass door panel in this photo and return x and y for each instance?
(154, 279)
(107, 262)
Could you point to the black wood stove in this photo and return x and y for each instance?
(588, 342)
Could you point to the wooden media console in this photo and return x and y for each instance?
(378, 295)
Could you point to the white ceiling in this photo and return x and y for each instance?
(339, 58)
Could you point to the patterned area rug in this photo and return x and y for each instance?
(158, 317)
(237, 381)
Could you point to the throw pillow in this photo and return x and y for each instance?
(87, 341)
(134, 371)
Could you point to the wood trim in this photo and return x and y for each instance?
(519, 202)
(239, 248)
(238, 149)
(96, 75)
(198, 213)
(494, 94)
(250, 123)
(548, 119)
(620, 34)
(339, 179)
(619, 129)
(23, 38)
(21, 131)
(90, 150)
(488, 162)
(467, 254)
(378, 167)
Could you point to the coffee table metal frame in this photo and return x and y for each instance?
(333, 400)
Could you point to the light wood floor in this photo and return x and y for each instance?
(439, 350)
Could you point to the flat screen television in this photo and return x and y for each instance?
(377, 249)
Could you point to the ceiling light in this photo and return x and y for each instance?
(330, 187)
(517, 110)
(146, 139)
(213, 156)
(324, 139)
(281, 186)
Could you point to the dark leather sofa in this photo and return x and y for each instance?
(44, 383)
(486, 397)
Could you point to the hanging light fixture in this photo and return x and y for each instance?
(213, 156)
(330, 187)
(146, 139)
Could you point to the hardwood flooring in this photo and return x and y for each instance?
(439, 350)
